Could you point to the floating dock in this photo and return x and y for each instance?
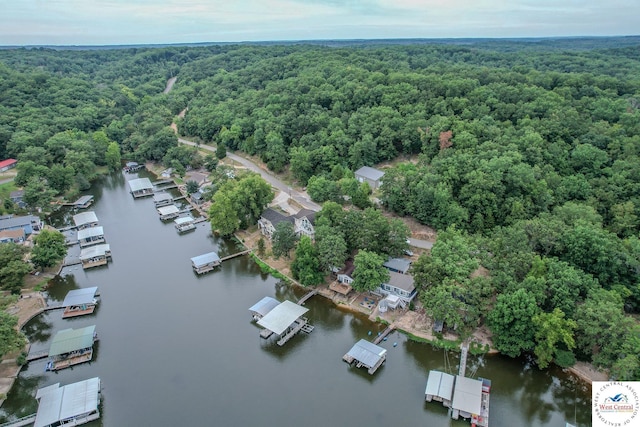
(366, 354)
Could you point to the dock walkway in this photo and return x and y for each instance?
(24, 421)
(234, 255)
(384, 333)
(464, 347)
(307, 296)
(37, 355)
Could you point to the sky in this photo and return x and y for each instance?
(108, 22)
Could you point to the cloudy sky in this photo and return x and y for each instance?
(104, 22)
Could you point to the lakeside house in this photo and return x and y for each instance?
(366, 354)
(17, 198)
(285, 320)
(197, 198)
(398, 265)
(71, 347)
(28, 223)
(94, 256)
(140, 187)
(91, 236)
(184, 223)
(370, 175)
(83, 202)
(12, 236)
(206, 262)
(304, 222)
(162, 199)
(399, 290)
(344, 281)
(270, 219)
(79, 302)
(7, 164)
(85, 220)
(73, 404)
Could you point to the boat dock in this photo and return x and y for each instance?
(37, 355)
(307, 296)
(464, 349)
(24, 421)
(384, 333)
(234, 255)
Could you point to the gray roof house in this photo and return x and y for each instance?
(16, 197)
(398, 265)
(371, 176)
(304, 221)
(270, 219)
(401, 286)
(29, 223)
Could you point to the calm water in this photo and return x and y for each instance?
(178, 349)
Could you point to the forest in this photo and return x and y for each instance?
(523, 155)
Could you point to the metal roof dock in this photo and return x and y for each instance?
(263, 307)
(90, 236)
(70, 340)
(285, 320)
(467, 397)
(85, 219)
(80, 296)
(439, 388)
(162, 199)
(141, 187)
(83, 202)
(73, 404)
(366, 354)
(168, 212)
(205, 262)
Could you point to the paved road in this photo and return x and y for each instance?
(299, 197)
(424, 244)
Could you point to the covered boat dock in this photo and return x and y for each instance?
(73, 404)
(263, 307)
(206, 262)
(184, 223)
(79, 302)
(140, 187)
(285, 320)
(439, 388)
(85, 220)
(95, 256)
(467, 397)
(83, 202)
(162, 199)
(71, 347)
(168, 212)
(366, 354)
(91, 236)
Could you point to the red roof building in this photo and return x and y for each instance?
(7, 164)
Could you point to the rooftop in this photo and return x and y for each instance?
(80, 296)
(204, 259)
(275, 217)
(159, 197)
(8, 162)
(140, 184)
(467, 395)
(440, 384)
(168, 210)
(85, 218)
(398, 264)
(18, 233)
(264, 306)
(94, 251)
(369, 173)
(90, 232)
(57, 403)
(83, 200)
(184, 220)
(367, 352)
(282, 316)
(18, 221)
(401, 281)
(69, 340)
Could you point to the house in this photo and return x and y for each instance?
(71, 347)
(197, 198)
(17, 198)
(140, 187)
(398, 265)
(12, 236)
(371, 176)
(5, 165)
(270, 219)
(303, 223)
(29, 223)
(85, 220)
(439, 388)
(344, 275)
(399, 290)
(205, 262)
(366, 354)
(73, 404)
(91, 236)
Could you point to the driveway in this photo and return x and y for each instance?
(424, 244)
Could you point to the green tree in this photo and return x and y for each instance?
(552, 329)
(13, 267)
(332, 250)
(510, 321)
(221, 151)
(10, 338)
(306, 266)
(112, 156)
(443, 302)
(283, 239)
(192, 186)
(369, 272)
(37, 194)
(49, 248)
(60, 178)
(223, 215)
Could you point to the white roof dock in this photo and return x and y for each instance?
(264, 306)
(83, 201)
(85, 218)
(204, 259)
(168, 210)
(467, 396)
(140, 184)
(69, 340)
(440, 385)
(367, 353)
(184, 220)
(80, 296)
(56, 404)
(282, 316)
(161, 197)
(90, 232)
(94, 251)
